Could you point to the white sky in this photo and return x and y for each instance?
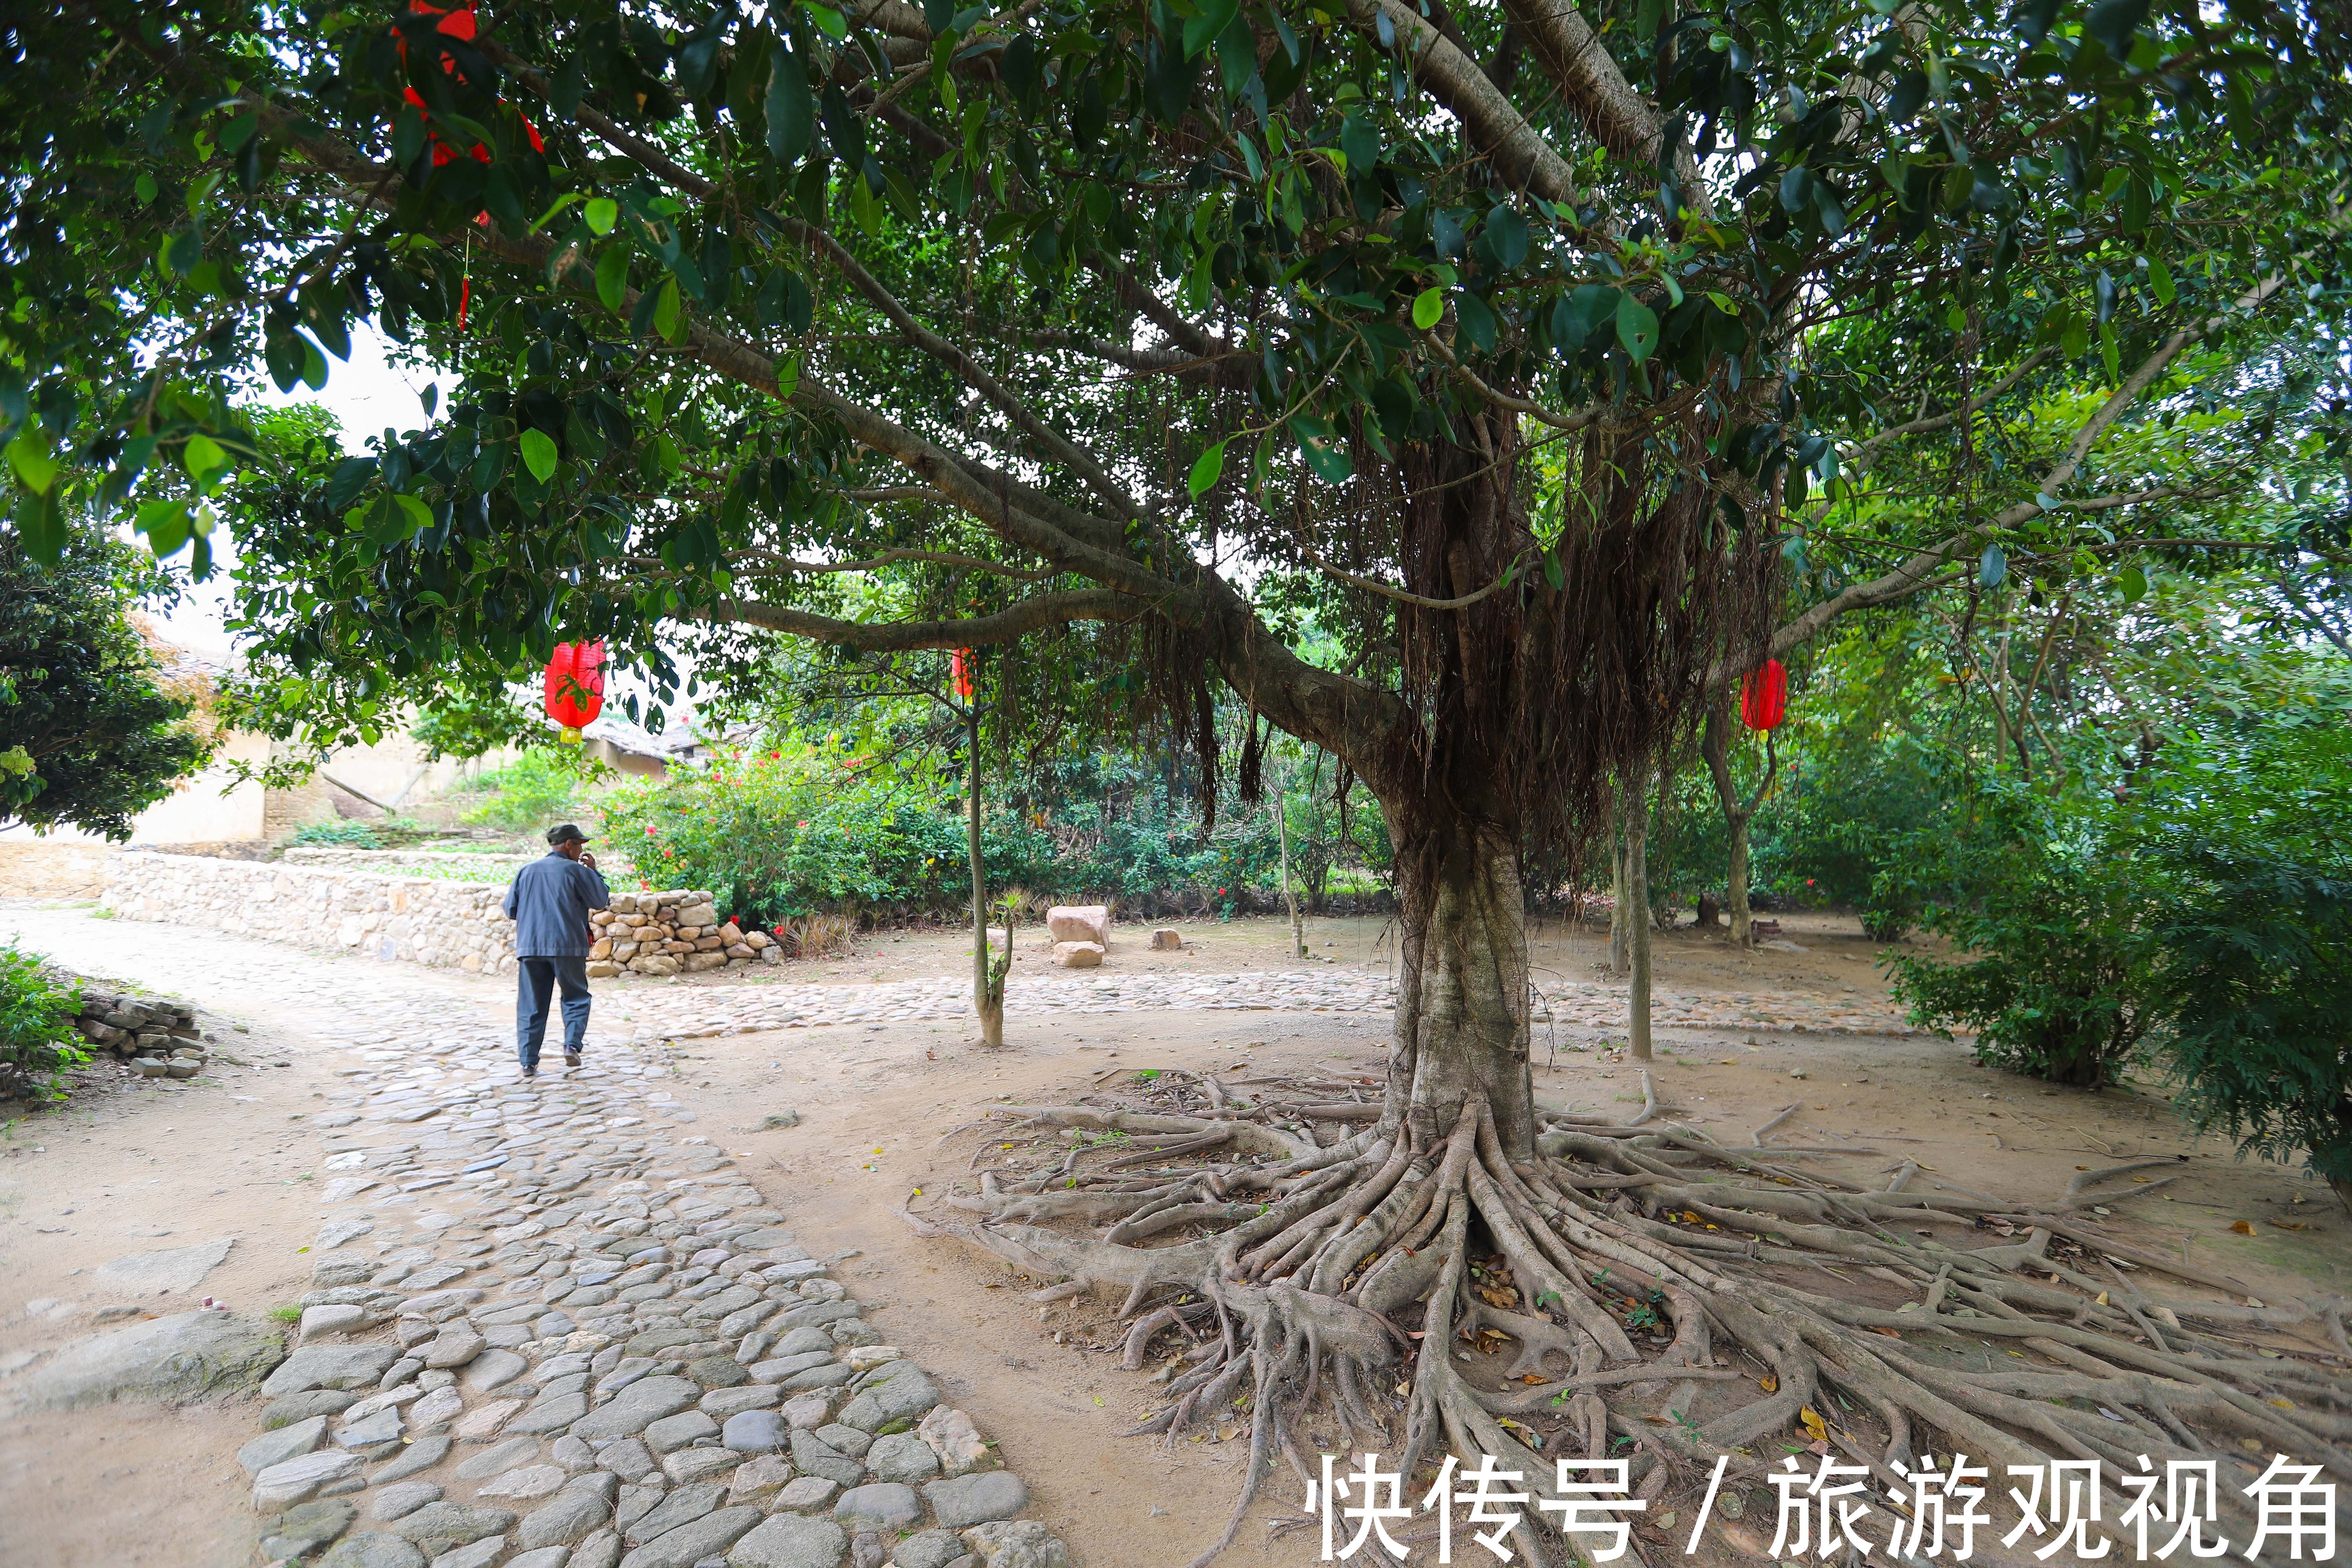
(365, 396)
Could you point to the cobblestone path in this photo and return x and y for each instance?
(552, 1329)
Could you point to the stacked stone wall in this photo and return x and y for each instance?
(672, 932)
(429, 921)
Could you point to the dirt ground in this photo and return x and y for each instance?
(885, 1112)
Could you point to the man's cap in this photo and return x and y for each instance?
(565, 834)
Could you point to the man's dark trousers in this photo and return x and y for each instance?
(540, 977)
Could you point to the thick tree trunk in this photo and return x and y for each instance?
(1462, 1011)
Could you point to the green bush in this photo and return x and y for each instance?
(2057, 984)
(338, 835)
(535, 792)
(2202, 921)
(803, 827)
(37, 1040)
(2252, 845)
(794, 830)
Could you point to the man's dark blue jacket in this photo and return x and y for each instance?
(549, 904)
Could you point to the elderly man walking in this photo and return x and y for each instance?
(549, 904)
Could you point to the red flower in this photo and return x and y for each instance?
(1809, 881)
(775, 756)
(804, 821)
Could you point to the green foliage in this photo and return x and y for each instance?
(799, 828)
(2253, 942)
(540, 788)
(689, 365)
(354, 835)
(94, 736)
(2203, 920)
(468, 724)
(2056, 980)
(37, 1040)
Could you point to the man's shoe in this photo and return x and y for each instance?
(531, 1072)
(571, 1058)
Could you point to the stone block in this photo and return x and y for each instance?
(791, 1540)
(1078, 954)
(1079, 922)
(882, 1506)
(977, 1499)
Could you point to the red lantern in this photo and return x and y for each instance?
(458, 22)
(960, 669)
(1764, 697)
(575, 686)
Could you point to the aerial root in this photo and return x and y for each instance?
(1639, 1280)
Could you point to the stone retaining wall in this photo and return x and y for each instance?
(417, 920)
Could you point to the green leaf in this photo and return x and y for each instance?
(1202, 27)
(537, 454)
(420, 516)
(33, 464)
(1637, 327)
(1992, 567)
(1428, 307)
(2159, 278)
(2132, 582)
(203, 457)
(829, 21)
(1325, 453)
(1206, 470)
(165, 524)
(792, 112)
(668, 311)
(554, 209)
(604, 212)
(613, 277)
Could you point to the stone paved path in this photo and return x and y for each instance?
(604, 1349)
(703, 1012)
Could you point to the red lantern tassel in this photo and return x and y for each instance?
(464, 297)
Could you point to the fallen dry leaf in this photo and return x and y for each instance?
(1770, 1382)
(1531, 1379)
(2291, 1224)
(1815, 1428)
(2240, 1227)
(1890, 1333)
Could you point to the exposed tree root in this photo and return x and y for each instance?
(1633, 1290)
